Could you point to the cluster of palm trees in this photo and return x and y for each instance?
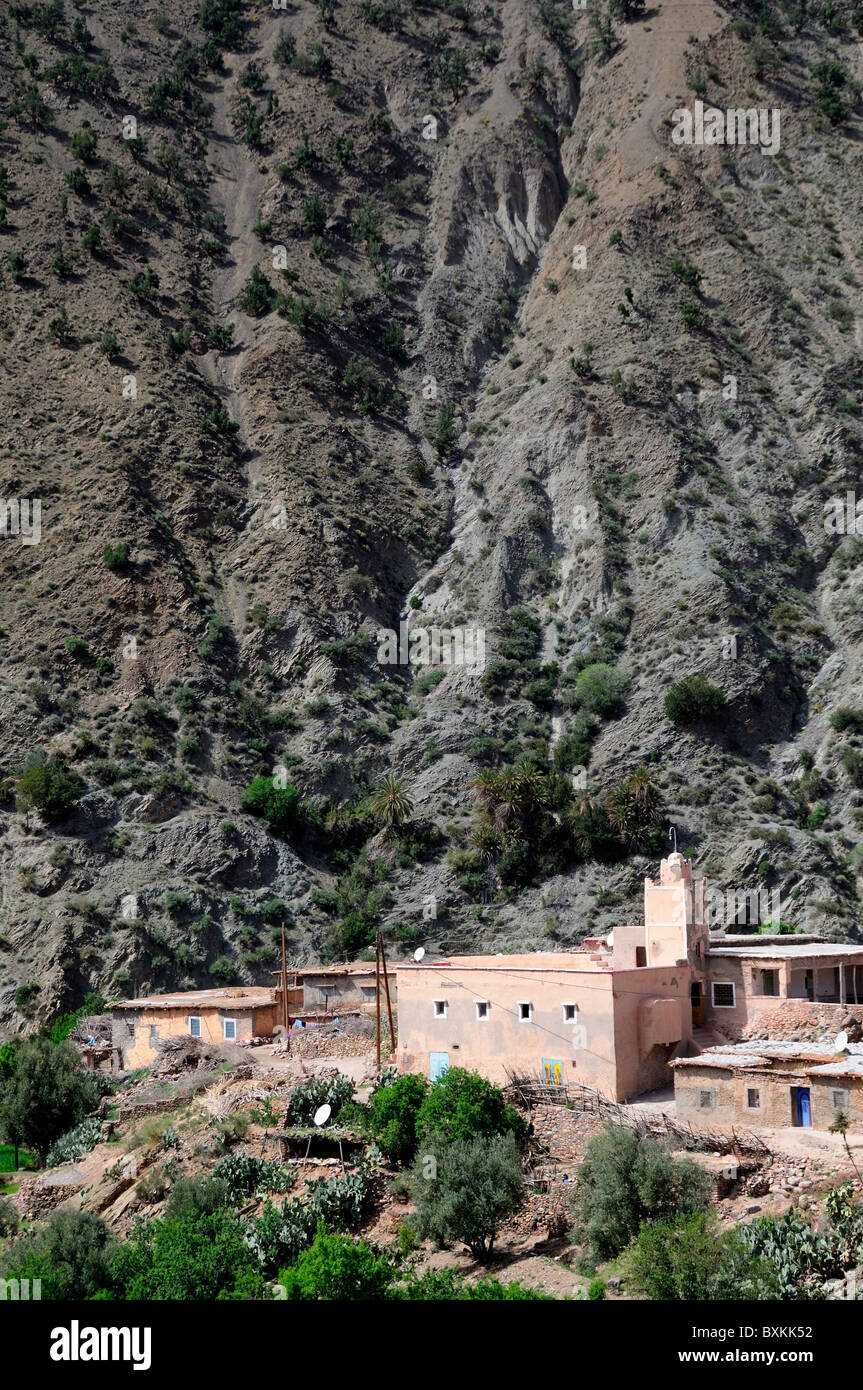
(529, 804)
(523, 802)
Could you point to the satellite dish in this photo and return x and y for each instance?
(610, 938)
(419, 953)
(322, 1114)
(841, 1041)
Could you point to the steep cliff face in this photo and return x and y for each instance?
(332, 317)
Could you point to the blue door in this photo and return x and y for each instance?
(804, 1113)
(438, 1064)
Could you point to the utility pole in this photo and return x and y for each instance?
(381, 964)
(284, 985)
(378, 997)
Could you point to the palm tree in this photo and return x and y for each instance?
(391, 804)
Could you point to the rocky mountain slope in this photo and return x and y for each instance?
(325, 318)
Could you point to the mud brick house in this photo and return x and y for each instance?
(774, 1084)
(215, 1015)
(614, 1014)
(327, 988)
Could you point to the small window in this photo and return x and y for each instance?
(753, 1098)
(525, 1012)
(770, 983)
(368, 993)
(640, 956)
(327, 991)
(570, 1013)
(132, 1031)
(154, 1034)
(440, 1007)
(840, 1099)
(706, 1100)
(482, 1008)
(195, 1027)
(723, 994)
(229, 1029)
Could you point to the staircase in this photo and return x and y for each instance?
(702, 1038)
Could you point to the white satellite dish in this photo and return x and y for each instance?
(610, 938)
(841, 1041)
(322, 1114)
(419, 953)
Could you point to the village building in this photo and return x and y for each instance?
(214, 1015)
(771, 1084)
(614, 1014)
(328, 989)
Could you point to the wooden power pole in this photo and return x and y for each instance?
(381, 967)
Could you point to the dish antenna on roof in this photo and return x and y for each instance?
(419, 953)
(322, 1114)
(841, 1041)
(610, 938)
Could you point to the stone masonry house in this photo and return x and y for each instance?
(774, 1084)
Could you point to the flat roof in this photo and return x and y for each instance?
(252, 998)
(818, 1058)
(794, 950)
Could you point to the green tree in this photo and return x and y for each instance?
(71, 1252)
(600, 689)
(48, 784)
(394, 1111)
(48, 1093)
(281, 807)
(462, 1105)
(391, 804)
(691, 1259)
(624, 1181)
(197, 1258)
(466, 1189)
(257, 296)
(693, 700)
(337, 1268)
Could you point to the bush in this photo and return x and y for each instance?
(600, 689)
(394, 1113)
(257, 296)
(691, 1259)
(116, 557)
(71, 1253)
(444, 1284)
(281, 807)
(462, 1105)
(198, 1258)
(337, 1268)
(624, 1181)
(466, 1189)
(693, 700)
(846, 718)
